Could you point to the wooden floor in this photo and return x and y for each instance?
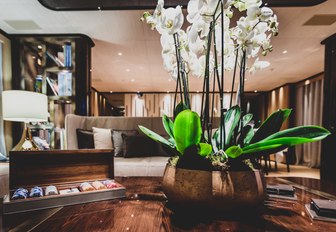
(295, 171)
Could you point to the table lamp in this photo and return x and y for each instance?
(24, 106)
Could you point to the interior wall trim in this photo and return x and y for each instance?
(8, 36)
(81, 5)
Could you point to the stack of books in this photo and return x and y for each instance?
(281, 191)
(323, 210)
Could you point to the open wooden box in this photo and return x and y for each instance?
(63, 169)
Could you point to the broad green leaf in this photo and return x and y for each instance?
(204, 149)
(248, 134)
(313, 132)
(231, 121)
(271, 125)
(289, 137)
(168, 125)
(179, 108)
(246, 119)
(215, 141)
(155, 136)
(172, 141)
(234, 151)
(264, 151)
(187, 130)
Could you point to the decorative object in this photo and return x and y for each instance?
(102, 138)
(63, 169)
(51, 190)
(24, 106)
(36, 192)
(213, 167)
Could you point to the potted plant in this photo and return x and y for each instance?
(215, 167)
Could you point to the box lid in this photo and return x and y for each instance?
(28, 168)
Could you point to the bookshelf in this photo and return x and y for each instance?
(58, 66)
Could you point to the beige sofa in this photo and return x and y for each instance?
(144, 166)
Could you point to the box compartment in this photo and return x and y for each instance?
(64, 169)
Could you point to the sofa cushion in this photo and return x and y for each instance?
(138, 146)
(85, 139)
(102, 138)
(118, 140)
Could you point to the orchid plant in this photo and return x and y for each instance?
(212, 44)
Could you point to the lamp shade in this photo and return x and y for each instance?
(24, 106)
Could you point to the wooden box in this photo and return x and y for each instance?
(63, 169)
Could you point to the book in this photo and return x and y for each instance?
(53, 85)
(315, 216)
(67, 55)
(56, 60)
(64, 84)
(280, 189)
(325, 208)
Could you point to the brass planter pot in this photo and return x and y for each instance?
(217, 190)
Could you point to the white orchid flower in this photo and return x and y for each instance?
(253, 13)
(171, 20)
(266, 13)
(252, 3)
(169, 61)
(193, 9)
(159, 8)
(167, 42)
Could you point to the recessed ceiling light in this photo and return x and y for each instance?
(307, 82)
(39, 47)
(284, 52)
(132, 80)
(127, 70)
(197, 91)
(256, 91)
(111, 91)
(245, 79)
(119, 53)
(167, 91)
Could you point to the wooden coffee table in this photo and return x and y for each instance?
(145, 209)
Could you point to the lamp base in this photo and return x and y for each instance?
(26, 143)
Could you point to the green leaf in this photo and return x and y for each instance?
(168, 125)
(155, 136)
(204, 149)
(248, 133)
(187, 130)
(246, 119)
(289, 137)
(234, 151)
(271, 125)
(231, 121)
(179, 108)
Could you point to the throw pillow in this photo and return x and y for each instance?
(118, 140)
(102, 138)
(138, 146)
(85, 139)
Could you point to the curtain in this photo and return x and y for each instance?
(2, 134)
(308, 110)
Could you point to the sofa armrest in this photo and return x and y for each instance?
(72, 122)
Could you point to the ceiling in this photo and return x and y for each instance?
(127, 55)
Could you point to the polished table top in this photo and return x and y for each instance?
(145, 209)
